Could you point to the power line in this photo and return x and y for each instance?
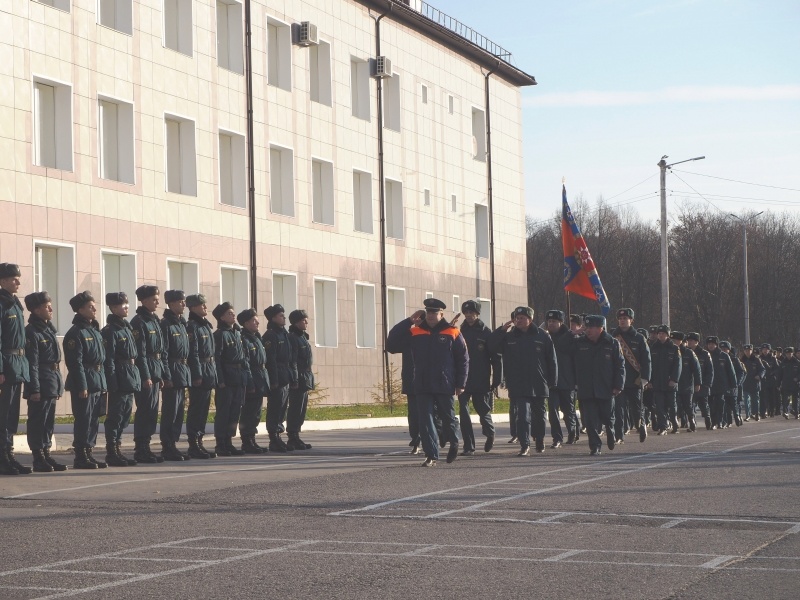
(626, 202)
(775, 187)
(630, 188)
(742, 198)
(699, 194)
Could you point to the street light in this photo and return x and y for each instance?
(664, 245)
(744, 223)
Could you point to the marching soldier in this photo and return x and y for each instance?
(84, 353)
(177, 376)
(690, 381)
(204, 374)
(790, 381)
(769, 384)
(706, 375)
(724, 380)
(756, 370)
(562, 396)
(122, 376)
(282, 368)
(254, 396)
(636, 352)
(666, 372)
(730, 411)
(298, 392)
(233, 375)
(46, 385)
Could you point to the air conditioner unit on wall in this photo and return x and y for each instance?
(383, 67)
(308, 34)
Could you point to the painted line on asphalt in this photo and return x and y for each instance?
(770, 433)
(673, 523)
(563, 555)
(716, 562)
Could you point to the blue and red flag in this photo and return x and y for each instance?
(580, 273)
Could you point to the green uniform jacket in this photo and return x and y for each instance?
(149, 345)
(85, 355)
(304, 358)
(122, 374)
(201, 351)
(257, 357)
(176, 342)
(44, 358)
(233, 366)
(281, 361)
(13, 362)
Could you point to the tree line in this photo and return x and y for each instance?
(705, 263)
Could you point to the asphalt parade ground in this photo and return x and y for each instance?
(704, 515)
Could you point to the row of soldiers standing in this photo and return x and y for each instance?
(139, 360)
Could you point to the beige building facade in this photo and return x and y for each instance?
(126, 150)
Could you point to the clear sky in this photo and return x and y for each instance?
(623, 82)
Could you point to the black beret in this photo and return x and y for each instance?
(677, 335)
(693, 335)
(662, 329)
(523, 310)
(653, 328)
(9, 270)
(712, 339)
(174, 296)
(471, 305)
(116, 298)
(195, 300)
(788, 349)
(594, 321)
(247, 314)
(555, 315)
(297, 315)
(221, 309)
(625, 312)
(36, 299)
(576, 319)
(78, 301)
(146, 291)
(747, 347)
(434, 304)
(767, 346)
(273, 310)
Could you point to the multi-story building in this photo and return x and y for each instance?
(350, 157)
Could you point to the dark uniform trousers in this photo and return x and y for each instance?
(197, 413)
(597, 412)
(730, 406)
(628, 409)
(768, 401)
(482, 405)
(703, 403)
(120, 407)
(530, 418)
(296, 416)
(86, 412)
(251, 414)
(789, 399)
(686, 405)
(10, 394)
(277, 402)
(565, 401)
(173, 401)
(41, 422)
(443, 406)
(664, 408)
(512, 417)
(145, 420)
(717, 405)
(413, 419)
(229, 402)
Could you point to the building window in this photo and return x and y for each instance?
(320, 58)
(424, 94)
(178, 26)
(279, 54)
(232, 175)
(180, 153)
(59, 4)
(453, 203)
(456, 304)
(281, 173)
(395, 228)
(284, 290)
(183, 276)
(54, 272)
(230, 40)
(325, 317)
(365, 316)
(428, 295)
(362, 201)
(359, 88)
(481, 231)
(478, 135)
(486, 310)
(52, 124)
(427, 197)
(116, 14)
(391, 103)
(395, 306)
(322, 191)
(116, 140)
(118, 274)
(450, 104)
(233, 287)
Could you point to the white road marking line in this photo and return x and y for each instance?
(421, 550)
(32, 587)
(70, 572)
(552, 518)
(717, 562)
(153, 559)
(795, 529)
(566, 554)
(673, 523)
(770, 433)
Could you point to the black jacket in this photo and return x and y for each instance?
(150, 345)
(530, 365)
(84, 353)
(691, 374)
(666, 360)
(44, 358)
(771, 378)
(790, 375)
(563, 341)
(122, 375)
(755, 373)
(281, 361)
(257, 356)
(233, 364)
(724, 375)
(176, 342)
(599, 367)
(201, 351)
(12, 338)
(641, 351)
(706, 370)
(304, 358)
(485, 368)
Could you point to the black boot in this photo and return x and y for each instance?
(143, 454)
(708, 423)
(221, 448)
(295, 443)
(131, 462)
(57, 466)
(100, 464)
(6, 468)
(40, 464)
(233, 449)
(23, 470)
(249, 445)
(170, 452)
(112, 458)
(211, 453)
(82, 460)
(194, 449)
(276, 444)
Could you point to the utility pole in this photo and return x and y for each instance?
(662, 164)
(744, 223)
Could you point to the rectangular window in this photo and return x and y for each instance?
(116, 140)
(180, 154)
(178, 26)
(116, 14)
(481, 231)
(230, 40)
(453, 203)
(395, 228)
(424, 94)
(322, 191)
(325, 317)
(450, 104)
(233, 287)
(118, 274)
(279, 55)
(232, 174)
(428, 295)
(284, 290)
(478, 135)
(391, 102)
(54, 272)
(52, 124)
(59, 4)
(182, 276)
(359, 88)
(362, 201)
(365, 316)
(486, 310)
(395, 306)
(281, 173)
(427, 197)
(456, 304)
(320, 59)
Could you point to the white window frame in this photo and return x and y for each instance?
(392, 104)
(104, 285)
(286, 305)
(230, 55)
(286, 176)
(478, 134)
(360, 106)
(424, 93)
(235, 301)
(393, 320)
(321, 73)
(481, 243)
(282, 78)
(392, 212)
(426, 197)
(126, 164)
(364, 202)
(185, 28)
(238, 168)
(63, 141)
(66, 286)
(327, 192)
(372, 341)
(317, 318)
(182, 261)
(485, 302)
(456, 304)
(188, 170)
(62, 5)
(123, 19)
(454, 203)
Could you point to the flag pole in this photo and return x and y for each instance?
(569, 308)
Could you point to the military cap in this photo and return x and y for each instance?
(693, 335)
(642, 331)
(471, 305)
(116, 298)
(767, 346)
(625, 312)
(594, 321)
(273, 310)
(576, 319)
(523, 310)
(788, 349)
(297, 315)
(195, 300)
(712, 339)
(677, 335)
(778, 349)
(555, 315)
(174, 296)
(247, 314)
(652, 328)
(36, 299)
(747, 347)
(146, 291)
(9, 270)
(725, 344)
(80, 300)
(434, 304)
(221, 309)
(662, 329)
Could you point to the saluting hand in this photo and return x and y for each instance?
(417, 316)
(508, 324)
(455, 320)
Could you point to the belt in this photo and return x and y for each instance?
(180, 361)
(15, 352)
(126, 361)
(95, 367)
(156, 355)
(51, 366)
(207, 360)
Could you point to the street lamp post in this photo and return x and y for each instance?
(662, 164)
(744, 223)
